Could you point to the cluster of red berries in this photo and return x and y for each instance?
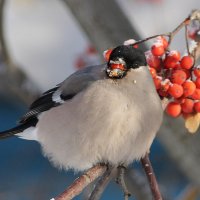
(175, 78)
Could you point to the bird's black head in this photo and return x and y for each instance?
(123, 58)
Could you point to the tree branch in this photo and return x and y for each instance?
(102, 183)
(80, 183)
(151, 177)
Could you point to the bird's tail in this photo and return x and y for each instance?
(18, 129)
(13, 131)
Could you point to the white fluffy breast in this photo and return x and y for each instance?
(111, 121)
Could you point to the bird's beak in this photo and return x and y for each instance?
(116, 69)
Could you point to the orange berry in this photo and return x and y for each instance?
(153, 61)
(197, 83)
(153, 72)
(188, 88)
(169, 63)
(197, 106)
(165, 85)
(180, 100)
(117, 66)
(177, 66)
(163, 91)
(164, 41)
(187, 62)
(197, 71)
(178, 76)
(187, 106)
(106, 54)
(157, 49)
(188, 74)
(157, 82)
(173, 109)
(175, 90)
(174, 55)
(196, 94)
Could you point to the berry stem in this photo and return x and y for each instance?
(177, 29)
(149, 38)
(169, 34)
(186, 40)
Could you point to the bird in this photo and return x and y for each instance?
(107, 113)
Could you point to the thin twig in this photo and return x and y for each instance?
(80, 183)
(178, 28)
(151, 37)
(169, 34)
(186, 39)
(121, 182)
(151, 177)
(102, 183)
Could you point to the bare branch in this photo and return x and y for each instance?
(102, 183)
(151, 177)
(80, 183)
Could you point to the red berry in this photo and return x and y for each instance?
(169, 63)
(197, 106)
(188, 88)
(187, 62)
(153, 61)
(196, 94)
(188, 74)
(174, 55)
(171, 59)
(175, 90)
(177, 66)
(165, 85)
(187, 106)
(180, 100)
(157, 82)
(197, 71)
(164, 41)
(157, 49)
(163, 91)
(178, 76)
(153, 72)
(117, 66)
(197, 83)
(106, 54)
(173, 109)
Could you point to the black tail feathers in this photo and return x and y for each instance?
(18, 129)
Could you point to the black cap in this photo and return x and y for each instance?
(132, 57)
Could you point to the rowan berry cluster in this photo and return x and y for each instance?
(175, 78)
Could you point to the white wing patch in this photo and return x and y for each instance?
(28, 134)
(56, 97)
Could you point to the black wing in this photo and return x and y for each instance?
(65, 90)
(75, 83)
